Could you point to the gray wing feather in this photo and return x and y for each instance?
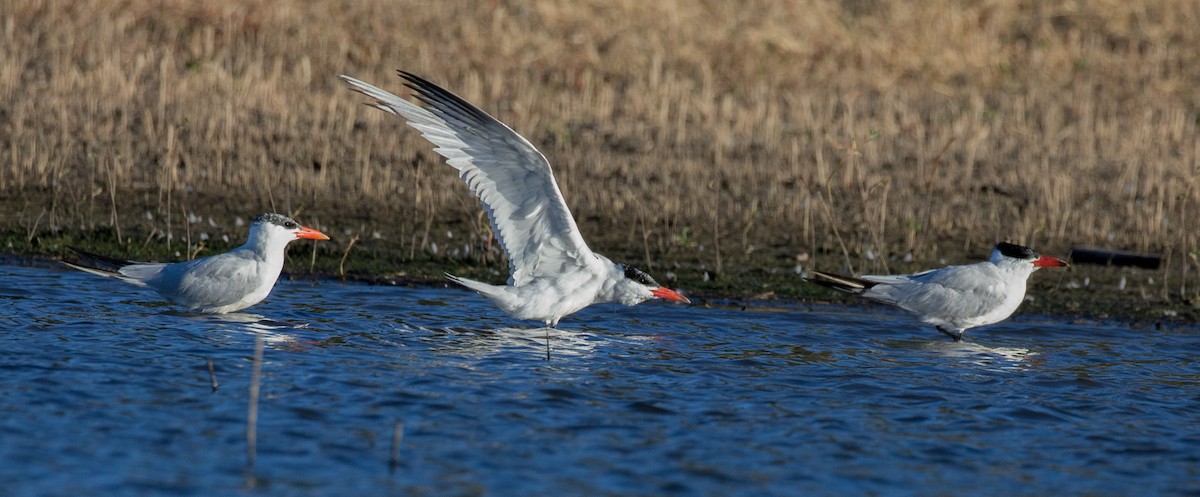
(213, 281)
(961, 291)
(510, 177)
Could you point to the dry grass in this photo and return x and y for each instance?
(716, 133)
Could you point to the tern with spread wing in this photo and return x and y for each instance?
(552, 271)
(954, 298)
(216, 284)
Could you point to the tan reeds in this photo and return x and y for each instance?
(827, 128)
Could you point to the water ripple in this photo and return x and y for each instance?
(107, 390)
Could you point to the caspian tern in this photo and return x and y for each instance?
(953, 298)
(216, 284)
(552, 271)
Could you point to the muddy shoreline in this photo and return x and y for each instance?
(1080, 294)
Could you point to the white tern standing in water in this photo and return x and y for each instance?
(552, 271)
(216, 284)
(954, 298)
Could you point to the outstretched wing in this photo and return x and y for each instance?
(509, 176)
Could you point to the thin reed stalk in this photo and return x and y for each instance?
(1053, 124)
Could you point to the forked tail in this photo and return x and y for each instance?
(490, 291)
(848, 284)
(98, 264)
(101, 265)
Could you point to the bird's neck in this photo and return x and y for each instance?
(610, 281)
(1016, 267)
(265, 249)
(615, 287)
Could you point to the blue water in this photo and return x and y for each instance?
(104, 390)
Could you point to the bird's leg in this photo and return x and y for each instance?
(955, 334)
(548, 326)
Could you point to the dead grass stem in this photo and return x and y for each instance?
(827, 128)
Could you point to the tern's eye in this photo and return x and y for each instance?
(291, 225)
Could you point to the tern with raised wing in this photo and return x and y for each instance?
(954, 298)
(552, 272)
(217, 284)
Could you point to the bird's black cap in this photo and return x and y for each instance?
(639, 276)
(277, 219)
(1017, 251)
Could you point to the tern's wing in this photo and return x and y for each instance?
(511, 178)
(216, 280)
(953, 291)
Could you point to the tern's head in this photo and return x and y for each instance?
(636, 286)
(1011, 253)
(278, 229)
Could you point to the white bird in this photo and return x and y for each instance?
(216, 284)
(953, 298)
(552, 271)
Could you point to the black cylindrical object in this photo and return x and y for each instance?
(1088, 255)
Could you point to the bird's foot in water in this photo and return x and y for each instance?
(957, 335)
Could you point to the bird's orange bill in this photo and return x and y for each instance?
(311, 234)
(663, 292)
(1047, 261)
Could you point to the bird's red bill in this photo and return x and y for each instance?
(1047, 261)
(310, 234)
(663, 292)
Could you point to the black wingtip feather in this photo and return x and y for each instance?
(435, 96)
(102, 262)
